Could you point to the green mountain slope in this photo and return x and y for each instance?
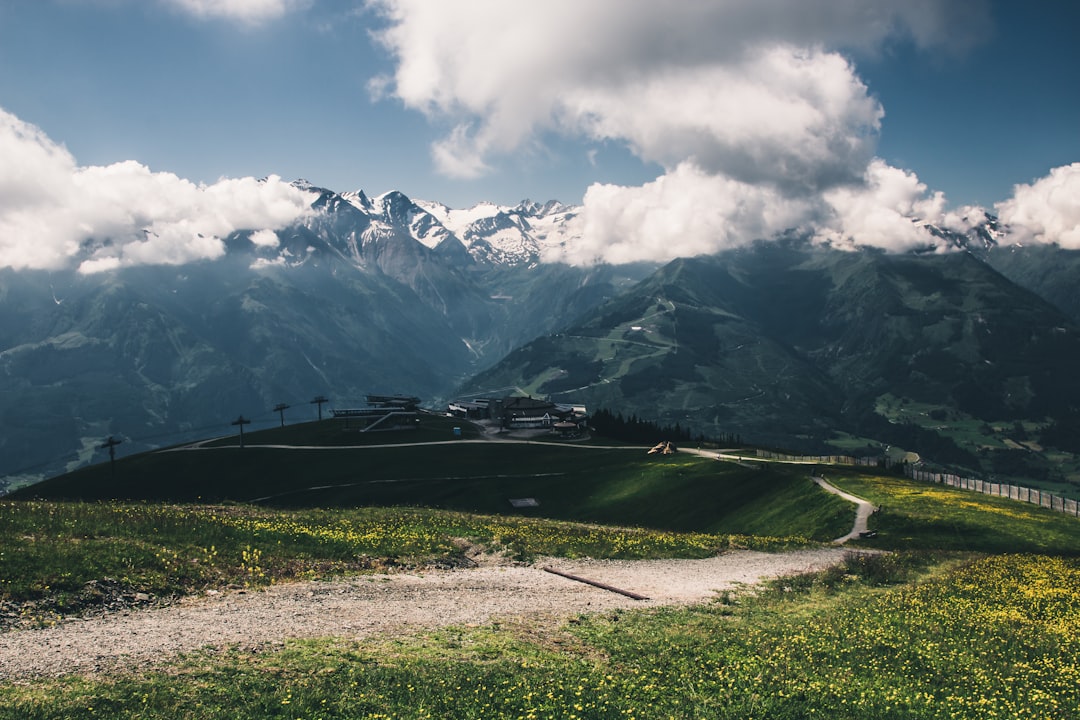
(1048, 270)
(790, 345)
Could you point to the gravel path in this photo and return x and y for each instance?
(863, 511)
(367, 605)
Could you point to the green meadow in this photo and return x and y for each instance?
(972, 611)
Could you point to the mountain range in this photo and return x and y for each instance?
(364, 295)
(784, 342)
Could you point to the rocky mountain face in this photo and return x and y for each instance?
(781, 342)
(363, 296)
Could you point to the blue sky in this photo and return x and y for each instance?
(977, 123)
(206, 98)
(468, 100)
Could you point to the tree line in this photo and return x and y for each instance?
(633, 429)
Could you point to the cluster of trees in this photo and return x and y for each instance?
(1064, 432)
(639, 430)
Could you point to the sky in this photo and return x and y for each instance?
(141, 131)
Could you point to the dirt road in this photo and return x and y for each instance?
(367, 605)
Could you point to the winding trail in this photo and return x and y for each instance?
(863, 510)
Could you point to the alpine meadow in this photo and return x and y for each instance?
(764, 403)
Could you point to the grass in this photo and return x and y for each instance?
(917, 515)
(621, 486)
(939, 629)
(332, 433)
(57, 557)
(981, 638)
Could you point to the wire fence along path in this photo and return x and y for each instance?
(1019, 493)
(1013, 492)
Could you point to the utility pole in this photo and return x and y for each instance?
(319, 400)
(280, 409)
(241, 421)
(111, 444)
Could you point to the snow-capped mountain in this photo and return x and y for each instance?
(489, 234)
(363, 294)
(499, 235)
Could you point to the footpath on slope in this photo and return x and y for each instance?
(369, 605)
(863, 510)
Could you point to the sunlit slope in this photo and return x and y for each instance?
(924, 516)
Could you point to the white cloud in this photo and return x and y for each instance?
(245, 11)
(54, 214)
(758, 118)
(882, 212)
(265, 238)
(797, 118)
(1046, 211)
(686, 212)
(689, 79)
(457, 155)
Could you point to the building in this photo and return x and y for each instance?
(384, 412)
(517, 412)
(476, 409)
(526, 412)
(397, 402)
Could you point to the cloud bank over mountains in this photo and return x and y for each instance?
(55, 213)
(759, 120)
(1048, 210)
(754, 111)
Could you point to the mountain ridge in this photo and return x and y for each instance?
(790, 345)
(389, 294)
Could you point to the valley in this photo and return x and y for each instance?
(776, 418)
(962, 358)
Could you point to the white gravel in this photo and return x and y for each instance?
(363, 606)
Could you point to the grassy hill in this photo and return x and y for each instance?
(878, 636)
(320, 465)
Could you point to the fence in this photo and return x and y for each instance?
(1013, 492)
(1019, 493)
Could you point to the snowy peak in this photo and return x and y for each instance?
(391, 231)
(506, 235)
(983, 234)
(396, 210)
(359, 201)
(489, 234)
